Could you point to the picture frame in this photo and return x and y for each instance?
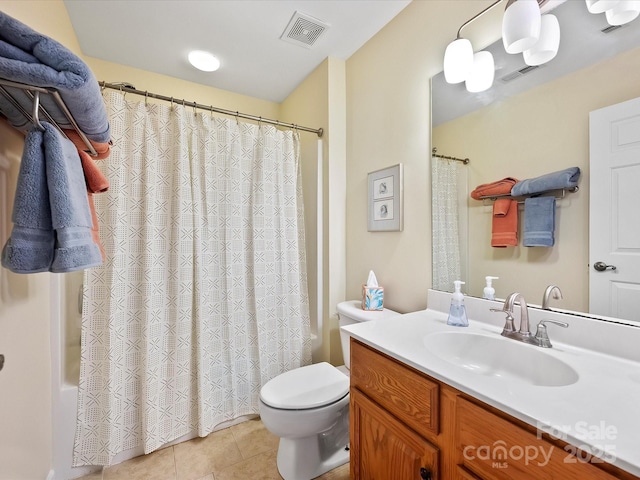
(385, 200)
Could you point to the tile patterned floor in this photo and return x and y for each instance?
(243, 451)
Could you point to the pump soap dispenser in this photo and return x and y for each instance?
(489, 292)
(457, 312)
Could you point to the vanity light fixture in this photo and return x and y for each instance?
(600, 6)
(521, 25)
(546, 48)
(623, 12)
(617, 12)
(459, 57)
(204, 61)
(482, 73)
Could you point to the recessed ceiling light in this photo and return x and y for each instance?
(204, 61)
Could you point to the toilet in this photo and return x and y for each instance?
(308, 408)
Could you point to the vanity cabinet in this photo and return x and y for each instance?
(406, 425)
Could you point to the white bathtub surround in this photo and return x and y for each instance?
(203, 297)
(599, 411)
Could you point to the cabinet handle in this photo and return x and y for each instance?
(425, 474)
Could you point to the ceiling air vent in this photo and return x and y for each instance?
(611, 28)
(519, 73)
(303, 30)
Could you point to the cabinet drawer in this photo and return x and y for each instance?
(409, 394)
(495, 448)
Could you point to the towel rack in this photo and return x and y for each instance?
(558, 193)
(34, 93)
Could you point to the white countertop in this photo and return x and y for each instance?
(599, 413)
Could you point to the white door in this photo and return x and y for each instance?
(614, 211)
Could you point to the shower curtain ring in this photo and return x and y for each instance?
(171, 103)
(146, 97)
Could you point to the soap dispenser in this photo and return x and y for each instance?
(457, 312)
(489, 292)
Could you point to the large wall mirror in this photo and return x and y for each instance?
(530, 123)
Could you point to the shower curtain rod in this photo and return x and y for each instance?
(446, 157)
(128, 88)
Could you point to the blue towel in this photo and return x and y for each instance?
(567, 178)
(30, 246)
(539, 222)
(31, 58)
(52, 220)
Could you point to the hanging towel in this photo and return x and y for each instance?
(31, 58)
(500, 187)
(29, 249)
(96, 183)
(567, 178)
(70, 214)
(52, 220)
(504, 228)
(539, 222)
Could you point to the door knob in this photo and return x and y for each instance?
(601, 266)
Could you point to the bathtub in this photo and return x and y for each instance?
(66, 320)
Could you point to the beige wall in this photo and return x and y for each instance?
(388, 122)
(319, 102)
(540, 131)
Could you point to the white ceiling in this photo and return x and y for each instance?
(244, 34)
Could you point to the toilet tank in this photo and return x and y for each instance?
(351, 312)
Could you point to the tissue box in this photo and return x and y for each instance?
(372, 298)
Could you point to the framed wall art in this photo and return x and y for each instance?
(385, 200)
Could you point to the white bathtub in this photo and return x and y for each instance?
(65, 364)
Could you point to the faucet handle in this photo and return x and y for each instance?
(541, 332)
(509, 326)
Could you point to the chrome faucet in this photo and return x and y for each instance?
(551, 289)
(524, 312)
(523, 334)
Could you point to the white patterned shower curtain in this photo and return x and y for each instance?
(446, 235)
(203, 296)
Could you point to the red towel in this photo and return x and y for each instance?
(96, 183)
(500, 187)
(504, 231)
(102, 149)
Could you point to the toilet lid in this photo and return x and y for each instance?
(306, 387)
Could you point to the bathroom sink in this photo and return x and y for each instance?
(500, 357)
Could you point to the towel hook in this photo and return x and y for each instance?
(36, 107)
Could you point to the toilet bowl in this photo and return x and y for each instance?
(308, 408)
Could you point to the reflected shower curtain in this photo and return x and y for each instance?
(446, 237)
(203, 297)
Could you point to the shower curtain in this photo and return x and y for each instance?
(446, 237)
(203, 296)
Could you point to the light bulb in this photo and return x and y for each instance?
(547, 45)
(482, 73)
(521, 25)
(623, 12)
(600, 6)
(458, 60)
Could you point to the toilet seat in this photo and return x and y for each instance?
(306, 387)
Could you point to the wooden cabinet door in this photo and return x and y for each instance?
(383, 448)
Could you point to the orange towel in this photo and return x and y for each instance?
(505, 223)
(95, 179)
(102, 149)
(96, 183)
(500, 187)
